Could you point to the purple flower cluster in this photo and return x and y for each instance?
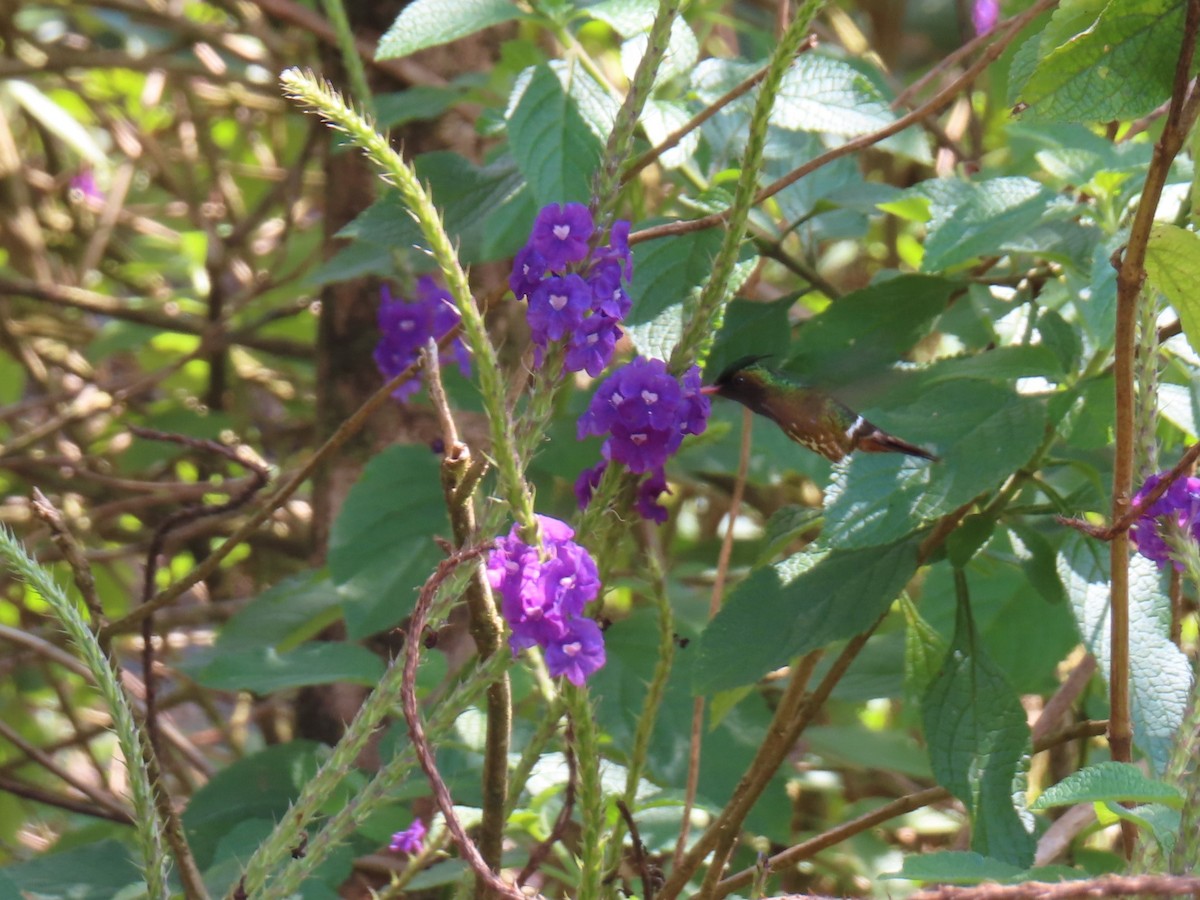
(543, 595)
(574, 295)
(411, 840)
(645, 412)
(406, 326)
(1180, 504)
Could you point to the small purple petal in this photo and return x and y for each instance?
(411, 840)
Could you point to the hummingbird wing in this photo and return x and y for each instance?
(815, 420)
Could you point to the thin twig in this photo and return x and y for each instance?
(1133, 513)
(930, 107)
(416, 731)
(81, 572)
(539, 853)
(714, 605)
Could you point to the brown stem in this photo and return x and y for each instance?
(1130, 275)
(486, 627)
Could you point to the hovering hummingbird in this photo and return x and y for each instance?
(809, 417)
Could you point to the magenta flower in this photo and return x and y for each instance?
(411, 840)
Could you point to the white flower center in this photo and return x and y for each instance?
(572, 649)
(558, 301)
(649, 397)
(592, 338)
(562, 232)
(407, 325)
(617, 399)
(639, 439)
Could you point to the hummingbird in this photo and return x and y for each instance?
(808, 416)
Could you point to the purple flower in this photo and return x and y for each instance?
(645, 412)
(561, 234)
(411, 840)
(647, 503)
(528, 269)
(543, 595)
(592, 344)
(557, 307)
(83, 187)
(1180, 504)
(609, 294)
(406, 326)
(587, 482)
(577, 652)
(984, 14)
(618, 248)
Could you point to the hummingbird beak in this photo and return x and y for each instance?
(710, 389)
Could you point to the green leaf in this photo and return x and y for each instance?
(955, 867)
(1173, 265)
(667, 271)
(283, 615)
(381, 548)
(419, 103)
(474, 202)
(798, 605)
(633, 19)
(1161, 821)
(865, 332)
(1109, 781)
(828, 95)
(97, 871)
(975, 219)
(924, 650)
(428, 23)
(264, 670)
(759, 329)
(555, 148)
(985, 431)
(260, 786)
(859, 747)
(1120, 66)
(978, 742)
(1161, 678)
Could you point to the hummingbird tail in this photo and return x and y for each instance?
(879, 441)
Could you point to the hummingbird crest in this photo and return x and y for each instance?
(808, 416)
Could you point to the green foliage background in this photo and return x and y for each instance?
(954, 281)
